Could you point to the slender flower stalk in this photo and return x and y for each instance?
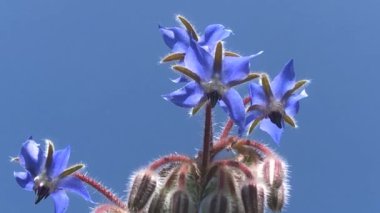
(102, 190)
(207, 138)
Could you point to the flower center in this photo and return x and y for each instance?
(276, 112)
(214, 89)
(42, 187)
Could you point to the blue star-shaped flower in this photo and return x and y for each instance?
(178, 38)
(212, 78)
(274, 103)
(48, 175)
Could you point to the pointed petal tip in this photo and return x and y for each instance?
(289, 65)
(256, 54)
(14, 159)
(174, 80)
(191, 112)
(304, 93)
(166, 97)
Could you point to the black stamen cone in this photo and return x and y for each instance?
(214, 97)
(41, 193)
(276, 118)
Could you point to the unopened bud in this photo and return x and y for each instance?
(277, 198)
(218, 204)
(180, 203)
(253, 198)
(142, 188)
(274, 171)
(107, 208)
(157, 203)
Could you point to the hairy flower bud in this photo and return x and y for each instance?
(275, 176)
(181, 203)
(157, 204)
(277, 198)
(142, 188)
(253, 198)
(108, 208)
(275, 172)
(217, 203)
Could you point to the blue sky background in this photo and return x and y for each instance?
(86, 74)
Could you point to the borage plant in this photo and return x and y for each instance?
(229, 174)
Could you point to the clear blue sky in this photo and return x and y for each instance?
(86, 74)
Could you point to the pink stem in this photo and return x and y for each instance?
(221, 144)
(182, 176)
(102, 190)
(169, 159)
(227, 129)
(264, 149)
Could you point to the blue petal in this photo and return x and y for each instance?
(176, 38)
(61, 201)
(284, 81)
(252, 115)
(59, 164)
(235, 105)
(188, 96)
(32, 157)
(74, 185)
(213, 34)
(292, 105)
(199, 61)
(181, 79)
(257, 94)
(25, 180)
(235, 68)
(267, 126)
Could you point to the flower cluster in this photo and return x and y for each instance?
(211, 71)
(229, 174)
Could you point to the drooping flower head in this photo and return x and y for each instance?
(274, 103)
(212, 78)
(47, 174)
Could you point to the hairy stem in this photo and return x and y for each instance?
(169, 159)
(207, 139)
(102, 190)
